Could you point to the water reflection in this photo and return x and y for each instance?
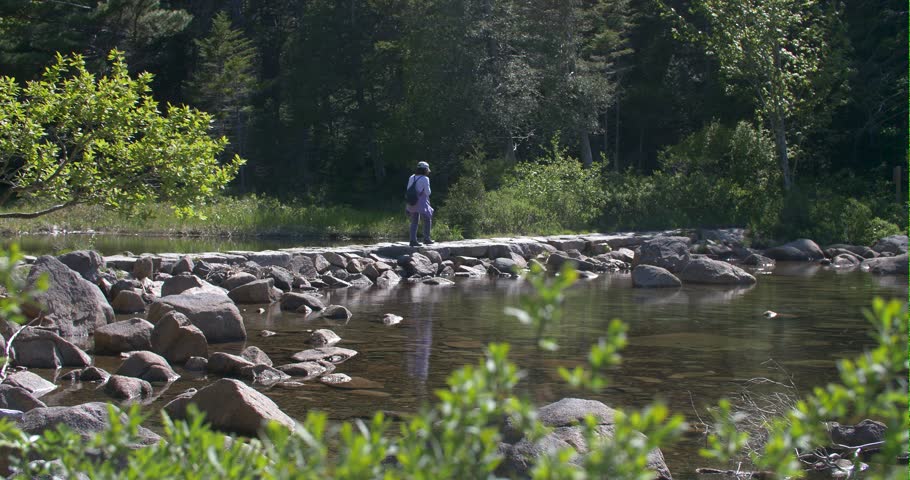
(421, 337)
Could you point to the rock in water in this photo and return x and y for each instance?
(256, 356)
(649, 276)
(336, 312)
(213, 313)
(391, 319)
(72, 305)
(324, 338)
(705, 270)
(335, 355)
(124, 336)
(232, 406)
(45, 349)
(147, 366)
(671, 253)
(175, 338)
(86, 263)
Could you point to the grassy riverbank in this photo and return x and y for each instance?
(228, 216)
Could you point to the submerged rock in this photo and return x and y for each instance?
(390, 319)
(334, 355)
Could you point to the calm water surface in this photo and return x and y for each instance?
(689, 346)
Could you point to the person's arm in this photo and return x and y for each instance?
(428, 185)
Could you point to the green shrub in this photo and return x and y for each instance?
(552, 194)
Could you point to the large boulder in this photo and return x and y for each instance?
(180, 283)
(896, 244)
(418, 264)
(72, 305)
(30, 382)
(176, 339)
(227, 365)
(337, 312)
(86, 420)
(292, 301)
(213, 313)
(128, 301)
(303, 265)
(255, 355)
(801, 250)
(259, 291)
(896, 265)
(282, 279)
(37, 348)
(238, 279)
(232, 406)
(564, 418)
(184, 265)
(863, 433)
(124, 336)
(706, 270)
(269, 257)
(649, 276)
(86, 263)
(126, 388)
(144, 267)
(17, 398)
(148, 366)
(125, 284)
(623, 254)
(387, 279)
(671, 253)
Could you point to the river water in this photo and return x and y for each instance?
(688, 346)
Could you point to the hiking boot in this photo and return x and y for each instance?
(415, 244)
(428, 242)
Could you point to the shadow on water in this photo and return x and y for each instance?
(689, 346)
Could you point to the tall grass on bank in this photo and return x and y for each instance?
(229, 216)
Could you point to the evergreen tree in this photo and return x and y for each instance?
(225, 79)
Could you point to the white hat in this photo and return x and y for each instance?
(423, 165)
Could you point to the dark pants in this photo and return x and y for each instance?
(427, 224)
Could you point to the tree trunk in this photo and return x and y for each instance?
(510, 151)
(780, 142)
(641, 148)
(607, 137)
(616, 150)
(586, 157)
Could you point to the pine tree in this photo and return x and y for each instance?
(224, 80)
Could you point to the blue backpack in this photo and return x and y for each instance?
(411, 194)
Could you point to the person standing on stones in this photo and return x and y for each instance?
(418, 207)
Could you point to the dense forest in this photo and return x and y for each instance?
(766, 113)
